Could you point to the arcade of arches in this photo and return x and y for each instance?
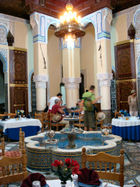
(105, 48)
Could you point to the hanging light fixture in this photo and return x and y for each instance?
(70, 24)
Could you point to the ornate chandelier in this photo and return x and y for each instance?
(70, 24)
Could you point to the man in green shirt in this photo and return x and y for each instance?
(88, 101)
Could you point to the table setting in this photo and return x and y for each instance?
(89, 177)
(127, 127)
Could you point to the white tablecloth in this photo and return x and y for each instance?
(23, 122)
(127, 129)
(56, 183)
(122, 122)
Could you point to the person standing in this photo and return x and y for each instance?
(88, 101)
(133, 104)
(52, 100)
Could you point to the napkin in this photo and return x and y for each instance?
(33, 177)
(89, 176)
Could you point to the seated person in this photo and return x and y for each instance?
(58, 112)
(66, 111)
(79, 109)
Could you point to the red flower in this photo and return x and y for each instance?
(75, 170)
(65, 171)
(57, 163)
(68, 162)
(75, 163)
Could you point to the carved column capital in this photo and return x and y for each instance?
(104, 76)
(40, 78)
(72, 80)
(105, 79)
(76, 44)
(40, 85)
(72, 83)
(40, 81)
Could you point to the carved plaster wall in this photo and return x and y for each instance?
(101, 20)
(40, 24)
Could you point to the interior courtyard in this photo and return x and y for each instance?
(38, 60)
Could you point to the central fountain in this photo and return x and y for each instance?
(44, 148)
(71, 133)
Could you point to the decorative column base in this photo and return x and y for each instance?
(108, 116)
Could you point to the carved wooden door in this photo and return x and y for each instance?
(18, 81)
(125, 73)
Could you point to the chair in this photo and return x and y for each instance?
(55, 124)
(80, 124)
(40, 117)
(12, 115)
(117, 114)
(99, 123)
(13, 169)
(2, 115)
(2, 146)
(105, 165)
(46, 120)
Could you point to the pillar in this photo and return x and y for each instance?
(71, 72)
(104, 66)
(101, 21)
(40, 24)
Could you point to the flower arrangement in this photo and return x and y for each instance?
(66, 170)
(20, 112)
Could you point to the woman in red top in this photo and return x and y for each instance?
(58, 112)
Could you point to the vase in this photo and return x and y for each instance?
(75, 180)
(63, 184)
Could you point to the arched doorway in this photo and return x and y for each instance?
(2, 89)
(81, 86)
(33, 95)
(113, 94)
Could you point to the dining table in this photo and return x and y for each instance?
(127, 127)
(11, 127)
(57, 183)
(71, 119)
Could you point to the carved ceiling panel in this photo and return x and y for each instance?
(23, 8)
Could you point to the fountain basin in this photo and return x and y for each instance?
(41, 155)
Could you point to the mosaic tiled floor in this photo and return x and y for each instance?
(132, 163)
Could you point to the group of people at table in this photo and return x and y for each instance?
(85, 106)
(82, 106)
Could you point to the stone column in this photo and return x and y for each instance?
(101, 21)
(71, 72)
(104, 67)
(104, 84)
(40, 24)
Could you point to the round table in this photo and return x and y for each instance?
(127, 129)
